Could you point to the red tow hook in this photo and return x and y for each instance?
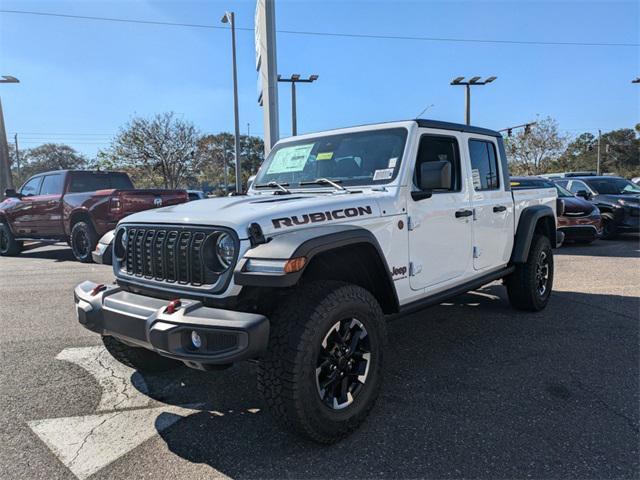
(173, 306)
(97, 289)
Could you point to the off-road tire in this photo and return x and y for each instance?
(143, 360)
(287, 375)
(9, 246)
(523, 285)
(609, 227)
(83, 241)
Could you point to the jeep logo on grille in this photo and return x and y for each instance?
(157, 202)
(316, 217)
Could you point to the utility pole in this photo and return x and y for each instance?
(229, 17)
(5, 167)
(599, 139)
(15, 141)
(295, 78)
(474, 81)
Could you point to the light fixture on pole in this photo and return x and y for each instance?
(473, 81)
(229, 17)
(5, 169)
(636, 80)
(295, 78)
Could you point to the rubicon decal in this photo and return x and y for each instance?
(317, 217)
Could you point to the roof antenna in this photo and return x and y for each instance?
(426, 108)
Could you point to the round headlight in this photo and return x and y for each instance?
(225, 249)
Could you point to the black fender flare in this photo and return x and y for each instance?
(526, 228)
(308, 242)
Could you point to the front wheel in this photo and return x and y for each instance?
(9, 246)
(609, 227)
(529, 286)
(323, 370)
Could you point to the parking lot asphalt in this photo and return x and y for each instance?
(473, 389)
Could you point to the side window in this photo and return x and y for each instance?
(32, 187)
(484, 165)
(52, 185)
(562, 183)
(575, 186)
(434, 148)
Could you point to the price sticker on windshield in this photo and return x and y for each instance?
(290, 159)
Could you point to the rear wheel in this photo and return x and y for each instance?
(323, 369)
(83, 241)
(609, 227)
(9, 246)
(529, 287)
(141, 359)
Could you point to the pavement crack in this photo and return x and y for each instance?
(88, 435)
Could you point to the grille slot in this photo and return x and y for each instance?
(172, 255)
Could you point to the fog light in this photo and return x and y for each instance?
(195, 339)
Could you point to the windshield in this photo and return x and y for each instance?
(361, 158)
(563, 192)
(613, 186)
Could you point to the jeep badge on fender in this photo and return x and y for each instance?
(301, 273)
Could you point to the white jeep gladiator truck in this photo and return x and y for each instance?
(338, 230)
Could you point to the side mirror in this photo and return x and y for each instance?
(584, 194)
(11, 192)
(433, 176)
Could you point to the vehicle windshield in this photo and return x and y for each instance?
(563, 192)
(613, 186)
(360, 158)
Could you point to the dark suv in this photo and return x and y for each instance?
(618, 200)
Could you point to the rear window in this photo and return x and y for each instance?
(92, 181)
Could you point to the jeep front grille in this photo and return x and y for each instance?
(173, 255)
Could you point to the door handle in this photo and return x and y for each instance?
(464, 213)
(499, 208)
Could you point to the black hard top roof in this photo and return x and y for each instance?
(458, 127)
(591, 177)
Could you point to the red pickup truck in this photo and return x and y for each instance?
(76, 206)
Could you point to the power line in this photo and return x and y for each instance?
(329, 34)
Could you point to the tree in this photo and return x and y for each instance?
(213, 150)
(160, 151)
(533, 152)
(46, 157)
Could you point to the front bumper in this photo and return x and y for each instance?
(226, 336)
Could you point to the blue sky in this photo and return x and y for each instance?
(82, 80)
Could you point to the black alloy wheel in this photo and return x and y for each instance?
(343, 363)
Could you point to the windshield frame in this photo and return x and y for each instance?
(260, 182)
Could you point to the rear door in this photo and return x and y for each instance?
(440, 226)
(492, 205)
(49, 205)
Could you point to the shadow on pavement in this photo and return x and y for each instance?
(57, 252)
(624, 246)
(472, 389)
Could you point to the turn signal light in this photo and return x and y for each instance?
(173, 306)
(295, 265)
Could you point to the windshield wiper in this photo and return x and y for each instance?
(325, 181)
(272, 184)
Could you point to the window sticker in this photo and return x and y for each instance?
(290, 159)
(392, 162)
(475, 176)
(324, 156)
(384, 174)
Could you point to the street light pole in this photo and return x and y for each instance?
(295, 78)
(598, 164)
(15, 138)
(5, 167)
(474, 81)
(229, 17)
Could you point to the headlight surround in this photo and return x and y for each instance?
(225, 249)
(120, 244)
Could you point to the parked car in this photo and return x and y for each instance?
(76, 206)
(578, 219)
(196, 195)
(338, 229)
(617, 198)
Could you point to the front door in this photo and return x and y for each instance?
(441, 225)
(492, 206)
(23, 215)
